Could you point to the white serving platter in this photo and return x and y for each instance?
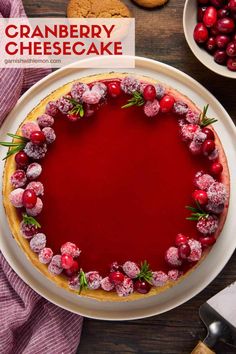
(205, 272)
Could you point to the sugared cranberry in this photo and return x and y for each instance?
(21, 159)
(225, 25)
(217, 3)
(231, 64)
(200, 13)
(200, 197)
(166, 103)
(72, 117)
(232, 5)
(73, 269)
(149, 93)
(114, 89)
(222, 40)
(66, 261)
(142, 286)
(210, 44)
(18, 179)
(200, 33)
(231, 49)
(180, 239)
(29, 198)
(220, 57)
(216, 168)
(116, 277)
(210, 16)
(209, 133)
(208, 146)
(224, 12)
(37, 137)
(184, 251)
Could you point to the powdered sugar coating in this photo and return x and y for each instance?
(78, 90)
(64, 105)
(18, 179)
(159, 278)
(91, 97)
(187, 132)
(196, 250)
(28, 128)
(151, 108)
(174, 274)
(55, 267)
(70, 248)
(129, 85)
(172, 257)
(106, 284)
(101, 88)
(125, 288)
(160, 91)
(74, 283)
(45, 120)
(37, 187)
(195, 148)
(192, 117)
(51, 109)
(50, 135)
(208, 226)
(16, 197)
(38, 242)
(27, 230)
(214, 155)
(94, 280)
(36, 210)
(131, 269)
(217, 194)
(33, 171)
(216, 209)
(34, 151)
(180, 108)
(199, 137)
(45, 255)
(203, 181)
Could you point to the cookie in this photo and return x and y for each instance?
(150, 3)
(97, 8)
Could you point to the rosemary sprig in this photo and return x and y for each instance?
(77, 109)
(19, 137)
(204, 120)
(136, 100)
(14, 146)
(29, 220)
(82, 280)
(145, 272)
(197, 212)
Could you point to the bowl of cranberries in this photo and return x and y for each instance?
(210, 30)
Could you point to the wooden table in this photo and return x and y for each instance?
(159, 35)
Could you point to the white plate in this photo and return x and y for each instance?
(206, 271)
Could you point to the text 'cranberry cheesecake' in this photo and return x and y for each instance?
(116, 186)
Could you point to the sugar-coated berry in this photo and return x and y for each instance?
(214, 208)
(217, 193)
(29, 198)
(159, 278)
(184, 251)
(28, 230)
(207, 241)
(55, 267)
(28, 128)
(208, 225)
(125, 288)
(195, 148)
(45, 120)
(116, 277)
(52, 109)
(93, 279)
(180, 239)
(216, 168)
(192, 117)
(114, 89)
(214, 155)
(209, 133)
(45, 255)
(166, 103)
(101, 88)
(208, 147)
(66, 261)
(149, 93)
(106, 284)
(35, 151)
(172, 257)
(129, 85)
(37, 187)
(196, 250)
(203, 181)
(131, 269)
(64, 104)
(142, 286)
(33, 171)
(174, 274)
(160, 91)
(91, 97)
(73, 269)
(200, 197)
(151, 108)
(180, 108)
(50, 135)
(70, 248)
(37, 137)
(188, 131)
(36, 210)
(38, 242)
(74, 283)
(18, 179)
(21, 159)
(78, 89)
(16, 197)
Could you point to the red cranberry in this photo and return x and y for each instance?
(114, 89)
(200, 33)
(73, 269)
(207, 241)
(166, 103)
(210, 16)
(37, 137)
(208, 146)
(149, 93)
(209, 133)
(200, 13)
(192, 128)
(116, 277)
(231, 49)
(220, 57)
(72, 117)
(184, 251)
(180, 239)
(200, 197)
(217, 3)
(232, 5)
(21, 159)
(223, 13)
(214, 31)
(231, 64)
(66, 261)
(222, 40)
(225, 25)
(29, 198)
(142, 286)
(216, 168)
(210, 44)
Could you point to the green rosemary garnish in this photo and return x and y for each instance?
(29, 220)
(204, 120)
(77, 109)
(197, 213)
(145, 272)
(82, 280)
(14, 146)
(136, 100)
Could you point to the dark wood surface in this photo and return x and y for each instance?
(159, 35)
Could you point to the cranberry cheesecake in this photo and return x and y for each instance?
(116, 186)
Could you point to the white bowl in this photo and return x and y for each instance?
(189, 23)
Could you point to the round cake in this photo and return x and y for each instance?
(116, 186)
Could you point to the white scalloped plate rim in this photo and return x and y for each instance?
(205, 272)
